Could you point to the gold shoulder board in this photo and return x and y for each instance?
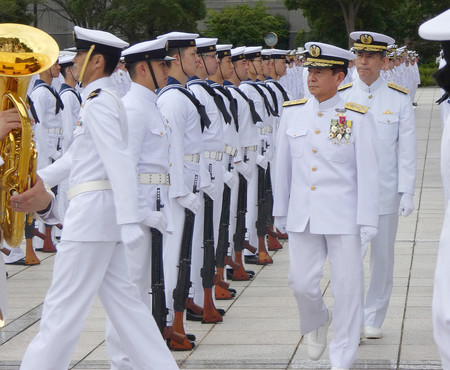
(357, 107)
(402, 89)
(94, 94)
(346, 86)
(294, 102)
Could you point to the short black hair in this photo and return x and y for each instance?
(339, 69)
(63, 68)
(110, 62)
(172, 51)
(131, 68)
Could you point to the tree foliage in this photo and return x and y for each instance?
(135, 20)
(15, 11)
(330, 20)
(246, 25)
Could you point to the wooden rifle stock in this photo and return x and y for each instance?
(181, 291)
(210, 313)
(239, 234)
(261, 222)
(159, 307)
(272, 242)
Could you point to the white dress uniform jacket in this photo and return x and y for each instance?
(396, 138)
(99, 152)
(334, 187)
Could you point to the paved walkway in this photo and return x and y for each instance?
(261, 326)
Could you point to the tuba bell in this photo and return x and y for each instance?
(24, 51)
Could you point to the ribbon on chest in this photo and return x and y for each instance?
(340, 128)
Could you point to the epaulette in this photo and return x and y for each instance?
(294, 102)
(94, 94)
(346, 86)
(402, 89)
(356, 107)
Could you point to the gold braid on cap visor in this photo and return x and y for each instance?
(314, 62)
(86, 60)
(364, 47)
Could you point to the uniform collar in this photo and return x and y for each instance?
(327, 104)
(142, 91)
(101, 83)
(370, 89)
(172, 81)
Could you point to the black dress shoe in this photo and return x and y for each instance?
(252, 260)
(232, 291)
(191, 337)
(221, 311)
(251, 273)
(191, 316)
(18, 262)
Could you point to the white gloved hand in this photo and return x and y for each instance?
(211, 191)
(191, 202)
(406, 205)
(156, 220)
(367, 233)
(268, 154)
(229, 179)
(244, 169)
(261, 161)
(132, 235)
(56, 155)
(280, 222)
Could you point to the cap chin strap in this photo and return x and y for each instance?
(236, 73)
(70, 70)
(206, 68)
(220, 69)
(181, 62)
(256, 72)
(86, 61)
(149, 63)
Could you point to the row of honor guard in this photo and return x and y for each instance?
(215, 149)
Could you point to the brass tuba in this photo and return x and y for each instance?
(24, 51)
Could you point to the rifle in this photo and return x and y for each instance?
(181, 291)
(210, 313)
(223, 243)
(239, 273)
(159, 308)
(261, 225)
(272, 241)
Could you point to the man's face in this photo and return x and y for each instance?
(241, 69)
(369, 65)
(226, 65)
(211, 62)
(280, 67)
(54, 70)
(190, 60)
(256, 66)
(266, 67)
(161, 72)
(322, 83)
(78, 62)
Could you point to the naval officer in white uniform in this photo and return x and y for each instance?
(396, 148)
(102, 216)
(438, 29)
(326, 198)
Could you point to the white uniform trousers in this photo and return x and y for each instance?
(308, 253)
(197, 247)
(139, 267)
(82, 270)
(3, 290)
(441, 295)
(381, 271)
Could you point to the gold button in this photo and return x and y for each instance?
(389, 121)
(314, 169)
(314, 150)
(161, 133)
(170, 164)
(320, 114)
(170, 145)
(313, 188)
(294, 135)
(317, 132)
(370, 96)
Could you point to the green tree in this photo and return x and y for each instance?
(15, 11)
(332, 21)
(135, 20)
(246, 25)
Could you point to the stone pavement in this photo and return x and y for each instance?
(261, 326)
